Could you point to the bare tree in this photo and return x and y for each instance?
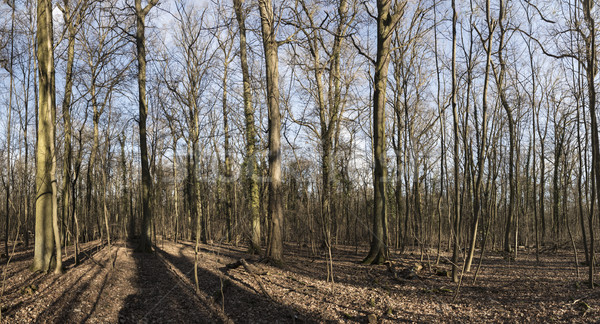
(140, 41)
(386, 23)
(72, 18)
(482, 137)
(46, 233)
(456, 205)
(252, 192)
(591, 71)
(323, 75)
(270, 45)
(9, 177)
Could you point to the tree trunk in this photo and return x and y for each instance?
(511, 129)
(66, 113)
(442, 117)
(9, 178)
(252, 192)
(456, 206)
(580, 209)
(140, 40)
(105, 188)
(93, 153)
(275, 248)
(175, 189)
(591, 70)
(44, 235)
(228, 172)
(386, 22)
(482, 142)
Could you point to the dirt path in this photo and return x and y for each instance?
(138, 290)
(160, 288)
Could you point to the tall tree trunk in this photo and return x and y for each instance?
(511, 128)
(580, 209)
(535, 185)
(542, 185)
(175, 189)
(591, 70)
(275, 248)
(337, 103)
(44, 235)
(94, 151)
(252, 192)
(228, 172)
(386, 22)
(105, 188)
(9, 178)
(124, 208)
(66, 112)
(140, 40)
(482, 141)
(559, 134)
(442, 117)
(534, 106)
(456, 206)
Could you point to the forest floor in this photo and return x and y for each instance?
(160, 288)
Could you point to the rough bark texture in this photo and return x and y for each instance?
(385, 25)
(252, 193)
(140, 41)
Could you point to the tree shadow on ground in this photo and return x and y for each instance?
(161, 298)
(298, 260)
(35, 279)
(242, 304)
(84, 254)
(73, 296)
(18, 256)
(221, 249)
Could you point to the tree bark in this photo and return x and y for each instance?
(9, 178)
(591, 70)
(511, 129)
(456, 206)
(252, 192)
(386, 22)
(275, 248)
(140, 40)
(482, 142)
(66, 111)
(44, 235)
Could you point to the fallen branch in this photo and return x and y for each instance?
(586, 296)
(91, 257)
(255, 274)
(252, 268)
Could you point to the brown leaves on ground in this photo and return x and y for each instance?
(160, 288)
